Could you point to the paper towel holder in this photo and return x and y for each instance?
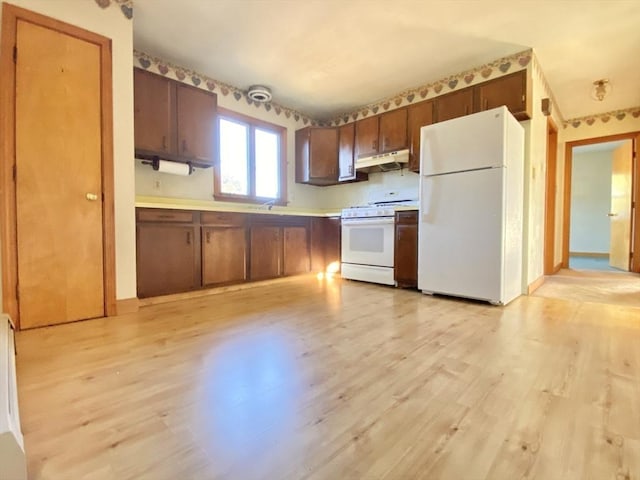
(155, 164)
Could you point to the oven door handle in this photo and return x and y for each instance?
(357, 222)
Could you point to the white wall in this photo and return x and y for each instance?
(590, 202)
(110, 22)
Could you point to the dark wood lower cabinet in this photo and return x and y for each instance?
(406, 249)
(296, 250)
(224, 255)
(266, 252)
(167, 260)
(182, 250)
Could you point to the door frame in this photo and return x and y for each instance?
(550, 199)
(635, 195)
(10, 16)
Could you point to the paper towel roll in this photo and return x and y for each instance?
(174, 168)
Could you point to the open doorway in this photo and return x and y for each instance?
(601, 192)
(600, 223)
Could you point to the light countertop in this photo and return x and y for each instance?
(205, 205)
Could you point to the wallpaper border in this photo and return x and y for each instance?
(126, 6)
(186, 75)
(589, 120)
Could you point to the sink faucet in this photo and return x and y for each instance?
(268, 204)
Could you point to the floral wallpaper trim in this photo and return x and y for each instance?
(537, 69)
(603, 117)
(204, 82)
(126, 6)
(495, 69)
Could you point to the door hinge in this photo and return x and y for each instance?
(15, 54)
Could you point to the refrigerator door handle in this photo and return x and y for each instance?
(426, 199)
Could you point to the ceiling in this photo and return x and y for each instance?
(327, 57)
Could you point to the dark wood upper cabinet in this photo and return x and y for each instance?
(510, 90)
(317, 155)
(366, 137)
(346, 167)
(393, 131)
(173, 120)
(196, 123)
(406, 249)
(418, 115)
(454, 105)
(152, 112)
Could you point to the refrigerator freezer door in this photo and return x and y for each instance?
(461, 234)
(466, 143)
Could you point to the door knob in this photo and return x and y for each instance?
(92, 197)
(612, 214)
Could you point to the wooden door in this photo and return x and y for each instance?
(224, 255)
(418, 116)
(454, 105)
(346, 136)
(196, 114)
(393, 130)
(323, 154)
(509, 91)
(266, 252)
(59, 212)
(296, 250)
(166, 257)
(366, 140)
(620, 212)
(153, 121)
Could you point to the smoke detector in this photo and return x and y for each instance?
(259, 93)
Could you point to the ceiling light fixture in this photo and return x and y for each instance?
(259, 93)
(601, 88)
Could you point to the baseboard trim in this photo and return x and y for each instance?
(589, 254)
(533, 286)
(145, 302)
(557, 268)
(127, 305)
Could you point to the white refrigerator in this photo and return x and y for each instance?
(471, 207)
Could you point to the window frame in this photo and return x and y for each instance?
(252, 124)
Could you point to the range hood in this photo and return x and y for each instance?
(384, 162)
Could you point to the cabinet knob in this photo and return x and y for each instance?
(92, 197)
(188, 238)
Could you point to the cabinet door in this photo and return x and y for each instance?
(166, 259)
(196, 114)
(266, 252)
(332, 242)
(346, 136)
(419, 115)
(393, 130)
(152, 117)
(509, 90)
(406, 249)
(296, 250)
(223, 255)
(323, 154)
(366, 142)
(454, 105)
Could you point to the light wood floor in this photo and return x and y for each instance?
(336, 380)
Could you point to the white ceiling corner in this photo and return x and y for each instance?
(324, 58)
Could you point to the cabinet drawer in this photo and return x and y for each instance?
(223, 218)
(159, 215)
(409, 217)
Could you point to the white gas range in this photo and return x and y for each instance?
(368, 241)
